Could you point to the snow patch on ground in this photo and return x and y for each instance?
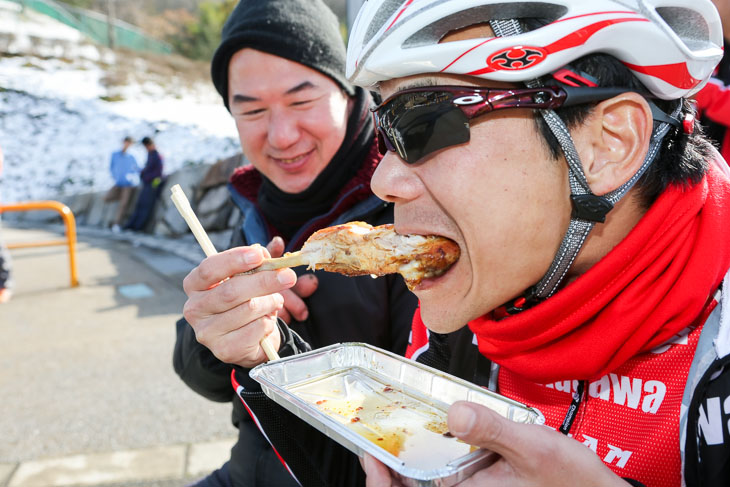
(57, 131)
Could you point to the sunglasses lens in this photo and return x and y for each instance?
(427, 129)
(382, 147)
(418, 124)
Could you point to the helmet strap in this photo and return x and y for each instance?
(506, 28)
(588, 209)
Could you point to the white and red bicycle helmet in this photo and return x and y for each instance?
(672, 46)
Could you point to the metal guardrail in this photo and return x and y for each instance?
(96, 26)
(68, 220)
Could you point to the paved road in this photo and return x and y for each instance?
(88, 393)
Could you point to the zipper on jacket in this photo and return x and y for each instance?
(573, 409)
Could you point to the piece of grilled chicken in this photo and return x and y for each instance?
(357, 248)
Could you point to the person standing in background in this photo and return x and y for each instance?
(151, 177)
(125, 171)
(713, 101)
(5, 281)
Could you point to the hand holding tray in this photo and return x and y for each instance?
(373, 401)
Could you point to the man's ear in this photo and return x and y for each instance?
(614, 140)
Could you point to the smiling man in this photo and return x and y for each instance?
(290, 118)
(310, 141)
(553, 142)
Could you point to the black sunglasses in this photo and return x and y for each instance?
(419, 121)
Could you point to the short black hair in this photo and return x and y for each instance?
(147, 141)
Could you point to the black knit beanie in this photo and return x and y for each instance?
(303, 31)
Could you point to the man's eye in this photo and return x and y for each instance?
(250, 113)
(302, 102)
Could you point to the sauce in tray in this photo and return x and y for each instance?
(411, 429)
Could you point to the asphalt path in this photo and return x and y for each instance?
(87, 370)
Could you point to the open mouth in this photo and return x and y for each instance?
(431, 280)
(427, 268)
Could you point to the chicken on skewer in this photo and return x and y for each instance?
(357, 248)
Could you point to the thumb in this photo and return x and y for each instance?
(276, 247)
(480, 426)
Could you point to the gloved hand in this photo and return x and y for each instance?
(156, 182)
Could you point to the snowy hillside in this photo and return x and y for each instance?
(65, 105)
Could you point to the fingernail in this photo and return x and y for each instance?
(305, 315)
(286, 277)
(462, 420)
(251, 257)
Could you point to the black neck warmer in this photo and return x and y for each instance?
(288, 212)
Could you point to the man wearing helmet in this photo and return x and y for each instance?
(552, 142)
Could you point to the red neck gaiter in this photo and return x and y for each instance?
(649, 287)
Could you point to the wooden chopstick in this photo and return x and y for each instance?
(186, 211)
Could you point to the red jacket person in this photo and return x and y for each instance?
(553, 142)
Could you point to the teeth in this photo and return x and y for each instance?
(289, 161)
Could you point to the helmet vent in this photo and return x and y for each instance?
(386, 9)
(688, 24)
(543, 12)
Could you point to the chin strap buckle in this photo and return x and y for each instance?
(590, 207)
(525, 302)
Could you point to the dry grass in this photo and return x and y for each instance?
(136, 66)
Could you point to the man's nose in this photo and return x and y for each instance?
(394, 180)
(283, 130)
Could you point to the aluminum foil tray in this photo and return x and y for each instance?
(373, 401)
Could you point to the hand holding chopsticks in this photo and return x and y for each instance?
(183, 206)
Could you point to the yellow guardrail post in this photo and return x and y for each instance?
(68, 220)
